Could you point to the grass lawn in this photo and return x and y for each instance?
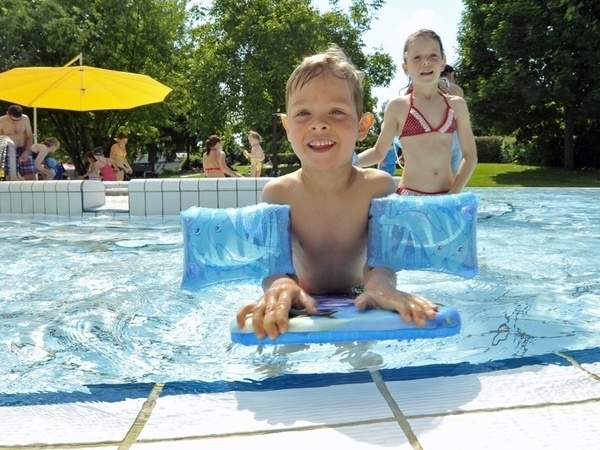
(507, 175)
(502, 175)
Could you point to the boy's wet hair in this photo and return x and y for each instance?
(422, 33)
(333, 61)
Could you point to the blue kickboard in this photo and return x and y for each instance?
(340, 321)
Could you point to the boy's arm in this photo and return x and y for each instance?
(380, 292)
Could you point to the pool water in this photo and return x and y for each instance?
(98, 300)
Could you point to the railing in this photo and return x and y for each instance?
(6, 144)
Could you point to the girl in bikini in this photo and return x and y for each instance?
(118, 154)
(213, 159)
(425, 120)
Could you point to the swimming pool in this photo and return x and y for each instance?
(97, 300)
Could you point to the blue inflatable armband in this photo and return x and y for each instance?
(232, 244)
(424, 233)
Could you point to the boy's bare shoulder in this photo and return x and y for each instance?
(275, 190)
(380, 183)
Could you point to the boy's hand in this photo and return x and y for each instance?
(380, 292)
(270, 314)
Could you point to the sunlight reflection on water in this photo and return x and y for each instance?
(98, 300)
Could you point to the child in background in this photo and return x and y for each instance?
(105, 165)
(330, 200)
(256, 154)
(425, 120)
(92, 172)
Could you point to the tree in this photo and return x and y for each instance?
(135, 36)
(248, 48)
(530, 69)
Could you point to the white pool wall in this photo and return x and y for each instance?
(146, 197)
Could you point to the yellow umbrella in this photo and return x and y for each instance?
(79, 88)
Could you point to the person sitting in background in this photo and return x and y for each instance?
(40, 151)
(58, 168)
(92, 173)
(105, 166)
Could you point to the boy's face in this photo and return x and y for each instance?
(321, 123)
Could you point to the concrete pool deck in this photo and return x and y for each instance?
(550, 402)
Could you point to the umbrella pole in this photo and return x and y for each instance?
(34, 125)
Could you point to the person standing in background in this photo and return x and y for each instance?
(453, 89)
(213, 159)
(118, 154)
(425, 119)
(392, 157)
(17, 127)
(256, 154)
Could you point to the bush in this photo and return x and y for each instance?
(511, 152)
(489, 149)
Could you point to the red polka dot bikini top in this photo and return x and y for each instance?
(416, 123)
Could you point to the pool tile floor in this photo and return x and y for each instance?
(548, 404)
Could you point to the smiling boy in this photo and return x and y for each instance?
(330, 200)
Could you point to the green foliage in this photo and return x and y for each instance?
(514, 175)
(529, 69)
(227, 64)
(489, 149)
(136, 36)
(246, 50)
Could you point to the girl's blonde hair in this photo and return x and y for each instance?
(51, 142)
(255, 135)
